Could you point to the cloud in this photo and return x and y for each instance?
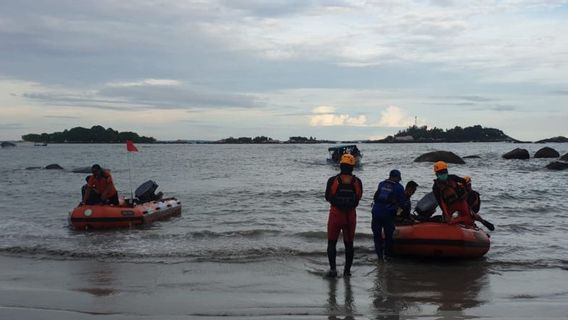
(13, 126)
(324, 109)
(324, 116)
(394, 117)
(144, 94)
(146, 82)
(61, 117)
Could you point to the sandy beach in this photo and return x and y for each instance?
(278, 289)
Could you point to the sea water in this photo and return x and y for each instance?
(245, 203)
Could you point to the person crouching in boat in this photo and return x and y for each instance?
(451, 194)
(99, 188)
(403, 214)
(388, 198)
(343, 192)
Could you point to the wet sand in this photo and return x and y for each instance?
(276, 289)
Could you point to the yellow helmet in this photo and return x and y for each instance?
(347, 159)
(467, 179)
(440, 165)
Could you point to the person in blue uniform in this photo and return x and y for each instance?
(388, 198)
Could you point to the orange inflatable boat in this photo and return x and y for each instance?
(87, 217)
(433, 239)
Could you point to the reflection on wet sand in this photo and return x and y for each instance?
(100, 276)
(335, 310)
(445, 289)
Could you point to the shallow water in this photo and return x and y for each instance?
(249, 202)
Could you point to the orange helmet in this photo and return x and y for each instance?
(440, 165)
(467, 179)
(347, 159)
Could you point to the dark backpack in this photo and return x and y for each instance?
(346, 195)
(474, 200)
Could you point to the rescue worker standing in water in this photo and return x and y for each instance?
(451, 194)
(343, 192)
(99, 188)
(388, 198)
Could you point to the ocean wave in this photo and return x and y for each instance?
(319, 235)
(253, 233)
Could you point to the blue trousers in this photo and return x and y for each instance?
(378, 224)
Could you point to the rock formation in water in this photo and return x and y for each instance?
(557, 165)
(82, 170)
(53, 166)
(547, 152)
(518, 153)
(434, 156)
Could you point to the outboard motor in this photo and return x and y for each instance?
(427, 205)
(145, 192)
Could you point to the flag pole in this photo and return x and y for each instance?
(130, 178)
(130, 147)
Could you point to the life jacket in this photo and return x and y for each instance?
(345, 196)
(450, 191)
(101, 184)
(386, 193)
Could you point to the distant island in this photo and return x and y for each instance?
(268, 140)
(422, 134)
(96, 134)
(554, 139)
(412, 134)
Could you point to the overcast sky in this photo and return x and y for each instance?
(338, 69)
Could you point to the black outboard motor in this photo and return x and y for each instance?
(145, 192)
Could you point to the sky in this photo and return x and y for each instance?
(336, 69)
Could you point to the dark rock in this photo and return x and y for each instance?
(434, 156)
(547, 152)
(82, 170)
(564, 157)
(557, 165)
(7, 144)
(472, 157)
(33, 168)
(517, 154)
(53, 166)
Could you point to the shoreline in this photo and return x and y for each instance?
(274, 289)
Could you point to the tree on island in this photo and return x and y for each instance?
(458, 134)
(96, 134)
(247, 140)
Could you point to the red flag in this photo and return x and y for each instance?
(130, 147)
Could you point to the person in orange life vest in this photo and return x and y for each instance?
(451, 195)
(99, 188)
(343, 192)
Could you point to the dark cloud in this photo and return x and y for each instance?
(497, 108)
(442, 3)
(12, 126)
(475, 98)
(174, 97)
(136, 97)
(275, 8)
(560, 92)
(61, 117)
